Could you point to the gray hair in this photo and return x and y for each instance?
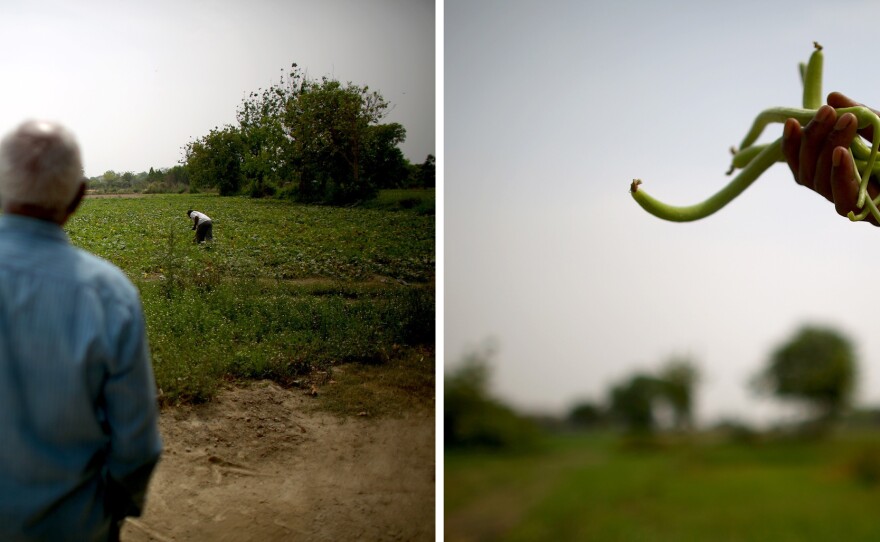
(40, 165)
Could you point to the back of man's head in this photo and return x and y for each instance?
(40, 165)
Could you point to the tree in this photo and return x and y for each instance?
(215, 160)
(816, 367)
(632, 402)
(677, 381)
(330, 127)
(384, 165)
(268, 159)
(586, 415)
(472, 418)
(319, 141)
(424, 173)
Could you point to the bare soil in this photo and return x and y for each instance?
(260, 463)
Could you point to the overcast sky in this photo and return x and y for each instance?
(553, 107)
(137, 80)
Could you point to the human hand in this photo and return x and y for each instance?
(819, 157)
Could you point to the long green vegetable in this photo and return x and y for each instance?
(753, 160)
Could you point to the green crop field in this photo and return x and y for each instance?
(286, 292)
(591, 487)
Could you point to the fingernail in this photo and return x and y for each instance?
(786, 129)
(837, 155)
(844, 121)
(824, 113)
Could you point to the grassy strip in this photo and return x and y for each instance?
(203, 333)
(589, 487)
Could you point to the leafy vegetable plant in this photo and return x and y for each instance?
(753, 160)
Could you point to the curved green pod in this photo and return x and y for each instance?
(766, 158)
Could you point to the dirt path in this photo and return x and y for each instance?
(257, 464)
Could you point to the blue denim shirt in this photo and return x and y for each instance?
(78, 413)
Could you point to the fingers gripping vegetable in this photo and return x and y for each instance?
(753, 160)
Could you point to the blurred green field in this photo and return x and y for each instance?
(286, 292)
(595, 488)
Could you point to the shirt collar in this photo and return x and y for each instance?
(31, 226)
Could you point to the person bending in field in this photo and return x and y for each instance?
(819, 157)
(78, 408)
(202, 225)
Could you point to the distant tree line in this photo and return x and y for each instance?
(815, 368)
(304, 139)
(168, 180)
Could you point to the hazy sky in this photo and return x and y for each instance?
(137, 80)
(553, 107)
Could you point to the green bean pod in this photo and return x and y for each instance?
(766, 158)
(812, 78)
(744, 157)
(774, 115)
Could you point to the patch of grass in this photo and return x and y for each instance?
(263, 330)
(586, 487)
(421, 201)
(402, 384)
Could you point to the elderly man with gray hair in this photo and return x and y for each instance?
(78, 409)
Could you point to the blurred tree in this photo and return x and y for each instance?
(586, 415)
(632, 402)
(473, 419)
(677, 382)
(816, 367)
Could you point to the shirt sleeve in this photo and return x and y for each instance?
(132, 416)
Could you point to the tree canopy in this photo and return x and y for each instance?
(816, 367)
(314, 140)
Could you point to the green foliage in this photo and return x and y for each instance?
(632, 402)
(678, 381)
(817, 367)
(419, 200)
(286, 291)
(268, 152)
(473, 419)
(215, 160)
(173, 180)
(864, 465)
(383, 161)
(424, 175)
(331, 126)
(587, 415)
(314, 141)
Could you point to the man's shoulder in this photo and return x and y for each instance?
(96, 272)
